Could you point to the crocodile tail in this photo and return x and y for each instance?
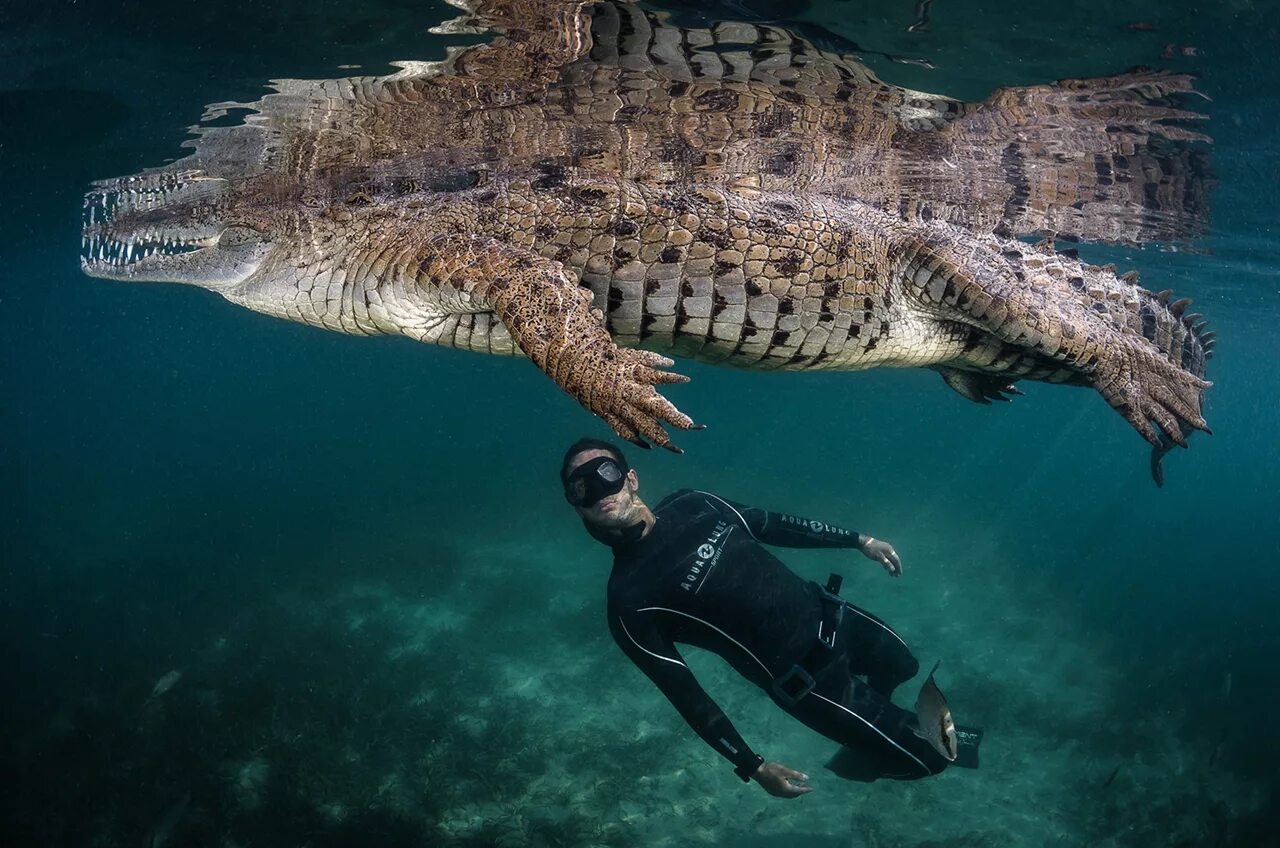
(1110, 159)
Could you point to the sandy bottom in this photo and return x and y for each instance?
(481, 702)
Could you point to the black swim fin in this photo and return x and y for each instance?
(967, 741)
(866, 767)
(853, 765)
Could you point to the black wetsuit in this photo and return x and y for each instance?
(702, 577)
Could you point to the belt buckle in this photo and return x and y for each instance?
(828, 638)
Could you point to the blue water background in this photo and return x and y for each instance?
(167, 458)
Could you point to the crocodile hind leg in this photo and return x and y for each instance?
(550, 318)
(979, 388)
(1129, 344)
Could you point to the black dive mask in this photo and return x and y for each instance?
(594, 480)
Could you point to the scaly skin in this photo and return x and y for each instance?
(595, 181)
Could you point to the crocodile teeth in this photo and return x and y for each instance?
(99, 248)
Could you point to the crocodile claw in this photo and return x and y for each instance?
(1160, 400)
(620, 389)
(1157, 460)
(979, 388)
(568, 340)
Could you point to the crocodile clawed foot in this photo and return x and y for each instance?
(552, 320)
(1160, 400)
(625, 397)
(978, 387)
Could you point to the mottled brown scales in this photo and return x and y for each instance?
(594, 180)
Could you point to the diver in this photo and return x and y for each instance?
(694, 570)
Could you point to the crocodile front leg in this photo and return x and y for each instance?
(1139, 353)
(550, 318)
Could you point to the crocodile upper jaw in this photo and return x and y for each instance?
(163, 226)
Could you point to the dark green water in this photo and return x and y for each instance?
(390, 629)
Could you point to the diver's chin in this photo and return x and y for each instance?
(609, 511)
(613, 530)
(607, 520)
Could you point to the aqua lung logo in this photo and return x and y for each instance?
(705, 557)
(814, 526)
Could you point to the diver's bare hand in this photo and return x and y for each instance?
(883, 553)
(780, 781)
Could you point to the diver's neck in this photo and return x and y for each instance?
(640, 526)
(646, 515)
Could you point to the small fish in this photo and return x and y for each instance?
(1111, 777)
(165, 683)
(922, 16)
(1157, 457)
(1226, 687)
(1172, 51)
(936, 725)
(911, 60)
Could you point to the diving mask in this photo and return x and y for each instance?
(593, 480)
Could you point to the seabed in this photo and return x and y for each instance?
(423, 707)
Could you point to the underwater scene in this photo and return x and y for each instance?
(902, 469)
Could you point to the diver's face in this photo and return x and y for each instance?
(612, 511)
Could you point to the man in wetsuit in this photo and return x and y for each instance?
(694, 570)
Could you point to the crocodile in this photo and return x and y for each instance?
(599, 190)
